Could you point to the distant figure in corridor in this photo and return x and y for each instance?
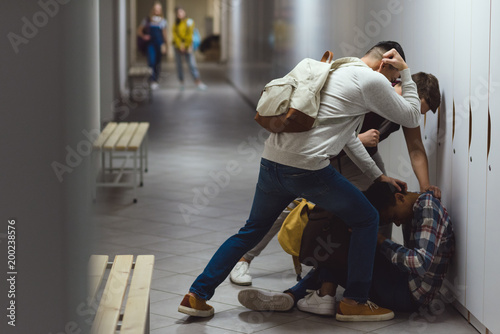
(152, 34)
(183, 45)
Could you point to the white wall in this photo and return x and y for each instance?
(107, 68)
(123, 42)
(50, 90)
(456, 40)
(492, 260)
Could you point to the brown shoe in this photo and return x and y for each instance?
(195, 307)
(363, 312)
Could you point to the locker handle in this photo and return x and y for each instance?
(470, 125)
(453, 128)
(489, 133)
(438, 120)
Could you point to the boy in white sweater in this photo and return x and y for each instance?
(298, 165)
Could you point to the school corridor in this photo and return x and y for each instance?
(204, 151)
(69, 68)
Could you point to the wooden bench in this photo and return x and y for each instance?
(109, 318)
(143, 74)
(129, 140)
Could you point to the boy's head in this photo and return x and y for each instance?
(428, 91)
(392, 205)
(378, 50)
(375, 55)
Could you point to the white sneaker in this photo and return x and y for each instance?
(154, 85)
(201, 86)
(313, 303)
(240, 275)
(259, 300)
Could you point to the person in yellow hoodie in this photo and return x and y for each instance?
(183, 46)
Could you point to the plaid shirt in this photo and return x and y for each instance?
(429, 245)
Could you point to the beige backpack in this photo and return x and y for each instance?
(291, 103)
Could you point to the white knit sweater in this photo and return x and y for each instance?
(348, 94)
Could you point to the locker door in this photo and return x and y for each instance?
(401, 29)
(460, 139)
(478, 113)
(394, 150)
(492, 260)
(446, 77)
(430, 10)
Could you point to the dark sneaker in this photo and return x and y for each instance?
(259, 300)
(363, 312)
(195, 307)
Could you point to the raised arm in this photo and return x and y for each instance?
(418, 159)
(383, 99)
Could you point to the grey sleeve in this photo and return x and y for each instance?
(358, 154)
(381, 98)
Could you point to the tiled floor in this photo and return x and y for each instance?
(191, 203)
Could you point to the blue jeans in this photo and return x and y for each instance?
(191, 63)
(312, 281)
(389, 284)
(154, 60)
(277, 186)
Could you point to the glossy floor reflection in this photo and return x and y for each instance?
(204, 150)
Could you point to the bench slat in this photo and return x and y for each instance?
(127, 135)
(135, 316)
(108, 130)
(139, 71)
(96, 269)
(138, 137)
(108, 312)
(115, 136)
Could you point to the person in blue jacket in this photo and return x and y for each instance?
(153, 37)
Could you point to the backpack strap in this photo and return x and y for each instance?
(338, 63)
(327, 57)
(297, 266)
(347, 61)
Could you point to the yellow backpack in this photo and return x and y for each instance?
(290, 234)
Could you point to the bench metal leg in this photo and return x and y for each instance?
(144, 88)
(103, 163)
(141, 163)
(110, 153)
(131, 88)
(146, 330)
(146, 143)
(134, 180)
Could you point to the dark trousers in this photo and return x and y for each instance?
(389, 287)
(154, 60)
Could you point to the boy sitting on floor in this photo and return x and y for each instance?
(405, 277)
